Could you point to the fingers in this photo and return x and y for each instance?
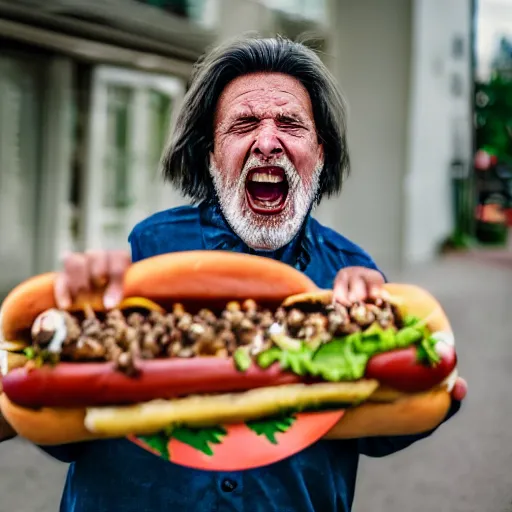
(355, 284)
(98, 267)
(374, 285)
(61, 292)
(73, 280)
(118, 263)
(341, 288)
(92, 270)
(460, 390)
(358, 290)
(76, 271)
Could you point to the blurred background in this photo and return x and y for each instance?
(89, 90)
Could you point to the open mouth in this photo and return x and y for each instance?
(266, 190)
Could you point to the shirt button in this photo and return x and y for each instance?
(228, 485)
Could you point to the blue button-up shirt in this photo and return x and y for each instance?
(117, 475)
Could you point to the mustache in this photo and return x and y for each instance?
(291, 173)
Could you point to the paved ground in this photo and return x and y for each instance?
(465, 467)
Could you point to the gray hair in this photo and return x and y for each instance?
(185, 162)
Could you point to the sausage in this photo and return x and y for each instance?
(96, 384)
(401, 369)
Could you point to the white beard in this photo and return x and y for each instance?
(266, 232)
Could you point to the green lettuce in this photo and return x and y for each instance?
(345, 358)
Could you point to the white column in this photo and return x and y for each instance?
(370, 60)
(439, 121)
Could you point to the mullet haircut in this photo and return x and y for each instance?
(185, 162)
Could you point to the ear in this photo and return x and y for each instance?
(320, 158)
(212, 161)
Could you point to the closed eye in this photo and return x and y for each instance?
(289, 121)
(245, 123)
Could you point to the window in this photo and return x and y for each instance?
(131, 115)
(116, 193)
(192, 9)
(313, 10)
(160, 110)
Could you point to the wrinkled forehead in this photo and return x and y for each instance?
(264, 94)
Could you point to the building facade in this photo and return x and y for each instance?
(89, 91)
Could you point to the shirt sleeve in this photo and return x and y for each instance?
(66, 452)
(133, 240)
(362, 259)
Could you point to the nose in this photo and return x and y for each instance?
(267, 143)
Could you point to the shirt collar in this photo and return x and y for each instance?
(218, 235)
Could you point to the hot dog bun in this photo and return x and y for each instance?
(192, 277)
(406, 415)
(210, 278)
(388, 411)
(409, 413)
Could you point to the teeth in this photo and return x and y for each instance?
(265, 177)
(269, 204)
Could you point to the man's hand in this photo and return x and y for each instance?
(83, 271)
(460, 389)
(359, 283)
(354, 284)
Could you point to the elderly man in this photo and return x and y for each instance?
(259, 142)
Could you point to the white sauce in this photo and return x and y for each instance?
(4, 364)
(449, 382)
(446, 337)
(276, 328)
(52, 320)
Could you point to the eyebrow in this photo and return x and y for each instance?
(244, 117)
(288, 117)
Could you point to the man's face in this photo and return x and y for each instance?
(267, 159)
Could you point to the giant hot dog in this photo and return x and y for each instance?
(207, 338)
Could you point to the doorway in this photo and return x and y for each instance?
(131, 114)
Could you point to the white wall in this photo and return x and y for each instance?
(393, 59)
(237, 17)
(394, 63)
(370, 55)
(53, 232)
(439, 123)
(34, 163)
(20, 99)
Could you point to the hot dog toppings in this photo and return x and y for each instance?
(353, 338)
(127, 335)
(307, 338)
